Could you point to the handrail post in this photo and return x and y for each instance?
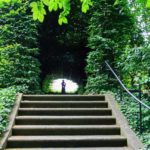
(121, 94)
(140, 110)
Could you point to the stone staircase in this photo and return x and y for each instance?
(66, 122)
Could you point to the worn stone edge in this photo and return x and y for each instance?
(13, 114)
(132, 140)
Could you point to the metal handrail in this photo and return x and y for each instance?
(121, 83)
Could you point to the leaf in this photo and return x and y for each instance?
(46, 2)
(33, 4)
(41, 17)
(65, 20)
(55, 6)
(85, 8)
(60, 5)
(60, 21)
(50, 6)
(85, 5)
(148, 4)
(1, 4)
(38, 11)
(116, 2)
(35, 16)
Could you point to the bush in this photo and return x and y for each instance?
(110, 30)
(46, 84)
(19, 64)
(131, 111)
(7, 99)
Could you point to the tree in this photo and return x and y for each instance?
(110, 30)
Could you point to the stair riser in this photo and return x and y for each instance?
(65, 121)
(113, 131)
(71, 143)
(64, 105)
(67, 113)
(69, 98)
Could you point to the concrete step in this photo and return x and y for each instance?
(83, 148)
(67, 141)
(65, 120)
(66, 130)
(64, 97)
(64, 111)
(61, 104)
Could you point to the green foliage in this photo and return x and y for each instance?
(148, 4)
(38, 11)
(139, 55)
(144, 2)
(134, 64)
(81, 90)
(7, 99)
(39, 8)
(18, 49)
(131, 111)
(46, 84)
(97, 84)
(110, 30)
(74, 32)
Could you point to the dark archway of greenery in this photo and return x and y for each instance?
(63, 48)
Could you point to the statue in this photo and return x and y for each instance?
(63, 84)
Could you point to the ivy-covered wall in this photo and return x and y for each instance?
(19, 65)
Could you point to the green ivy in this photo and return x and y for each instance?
(7, 99)
(131, 111)
(110, 30)
(18, 49)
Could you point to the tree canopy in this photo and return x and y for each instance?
(39, 7)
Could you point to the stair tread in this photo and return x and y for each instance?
(61, 99)
(64, 96)
(65, 117)
(60, 102)
(65, 109)
(62, 138)
(65, 126)
(83, 148)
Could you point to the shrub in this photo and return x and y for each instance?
(7, 99)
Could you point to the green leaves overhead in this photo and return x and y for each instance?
(148, 4)
(38, 11)
(39, 8)
(86, 5)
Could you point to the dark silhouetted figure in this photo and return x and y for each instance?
(63, 84)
